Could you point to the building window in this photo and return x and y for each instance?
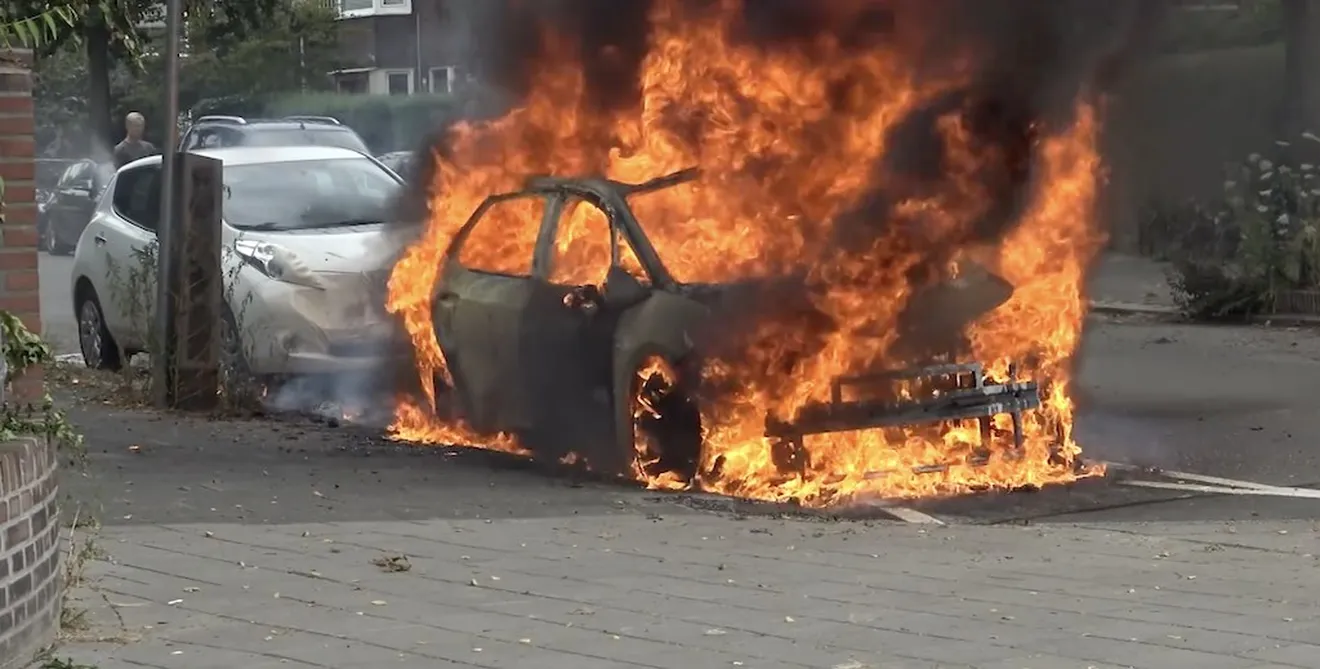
(444, 79)
(354, 83)
(352, 9)
(399, 83)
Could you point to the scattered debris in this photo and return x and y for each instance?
(393, 563)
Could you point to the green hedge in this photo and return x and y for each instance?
(385, 122)
(388, 122)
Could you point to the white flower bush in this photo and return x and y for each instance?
(1261, 239)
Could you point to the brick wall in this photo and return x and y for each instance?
(29, 522)
(19, 290)
(29, 550)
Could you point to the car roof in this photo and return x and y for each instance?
(254, 155)
(279, 124)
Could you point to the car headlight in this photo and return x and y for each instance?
(276, 262)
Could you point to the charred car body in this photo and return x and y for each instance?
(565, 367)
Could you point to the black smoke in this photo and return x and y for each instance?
(1032, 60)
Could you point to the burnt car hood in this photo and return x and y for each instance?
(973, 293)
(930, 327)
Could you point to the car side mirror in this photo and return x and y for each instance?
(623, 290)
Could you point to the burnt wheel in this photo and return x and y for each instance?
(666, 426)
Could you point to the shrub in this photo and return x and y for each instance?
(1164, 231)
(1260, 239)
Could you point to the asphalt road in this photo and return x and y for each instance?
(59, 325)
(1232, 402)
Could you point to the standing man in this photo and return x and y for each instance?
(133, 146)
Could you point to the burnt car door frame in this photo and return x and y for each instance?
(663, 325)
(651, 320)
(566, 343)
(477, 316)
(492, 386)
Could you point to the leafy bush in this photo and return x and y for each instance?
(1164, 231)
(1261, 239)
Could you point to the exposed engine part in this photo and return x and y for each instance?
(929, 395)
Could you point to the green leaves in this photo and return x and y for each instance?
(22, 347)
(33, 31)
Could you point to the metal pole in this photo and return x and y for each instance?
(162, 357)
(417, 48)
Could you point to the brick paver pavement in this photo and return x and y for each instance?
(676, 588)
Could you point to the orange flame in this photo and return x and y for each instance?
(783, 156)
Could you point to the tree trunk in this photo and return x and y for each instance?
(1301, 102)
(97, 40)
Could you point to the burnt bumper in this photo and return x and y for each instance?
(924, 396)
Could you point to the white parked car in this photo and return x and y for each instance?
(307, 251)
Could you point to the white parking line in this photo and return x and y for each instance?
(1268, 491)
(902, 513)
(1217, 481)
(912, 515)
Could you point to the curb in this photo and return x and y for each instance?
(1172, 313)
(1122, 308)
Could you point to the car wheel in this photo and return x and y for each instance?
(99, 350)
(52, 242)
(666, 427)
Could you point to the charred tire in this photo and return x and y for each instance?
(98, 346)
(667, 432)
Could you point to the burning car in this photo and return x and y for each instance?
(891, 194)
(610, 372)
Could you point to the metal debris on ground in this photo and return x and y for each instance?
(394, 563)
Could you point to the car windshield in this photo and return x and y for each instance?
(304, 194)
(339, 138)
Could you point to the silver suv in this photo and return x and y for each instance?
(213, 132)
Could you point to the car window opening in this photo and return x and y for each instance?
(587, 245)
(503, 240)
